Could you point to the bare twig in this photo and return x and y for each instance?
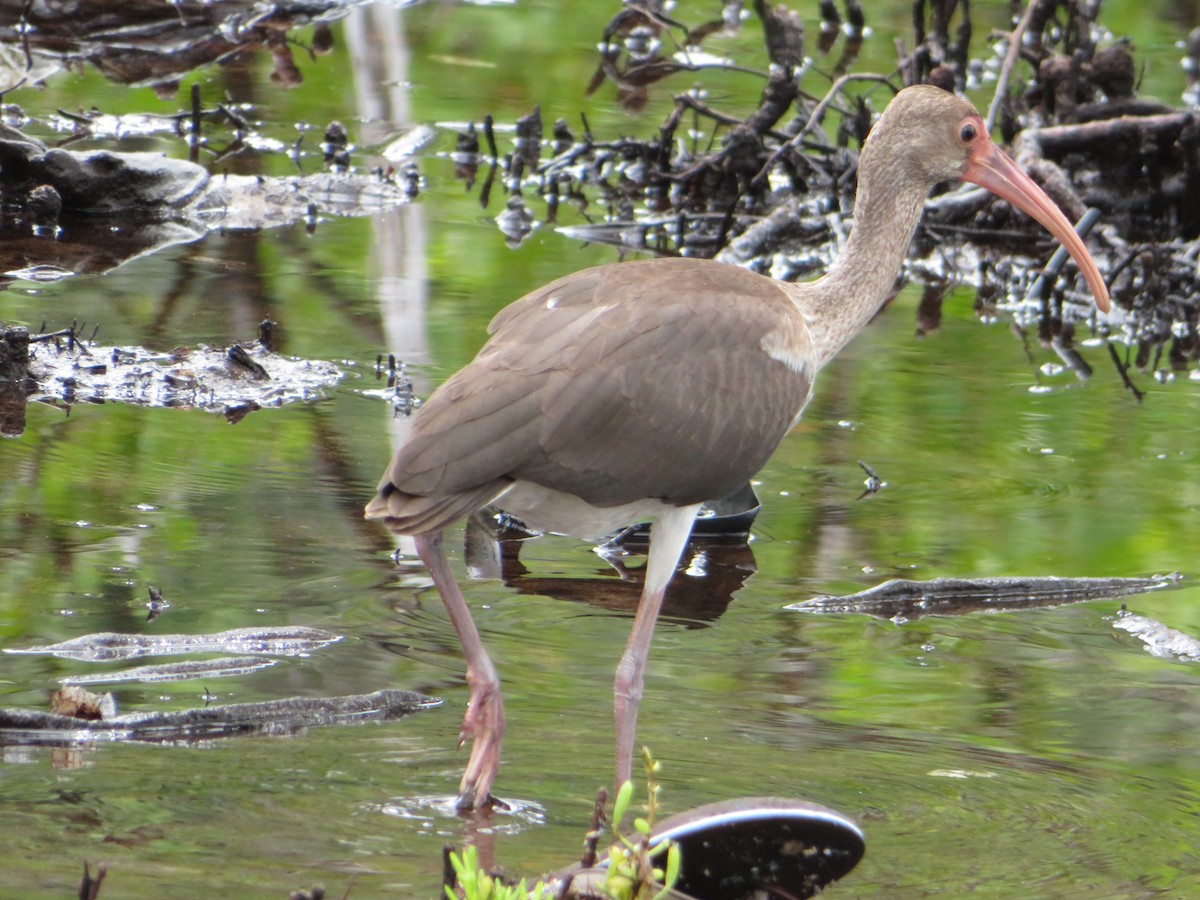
(89, 888)
(1123, 371)
(1010, 59)
(815, 118)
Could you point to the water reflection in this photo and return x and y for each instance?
(713, 568)
(113, 207)
(155, 43)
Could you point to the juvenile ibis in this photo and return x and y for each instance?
(635, 391)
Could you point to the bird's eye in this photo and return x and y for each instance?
(967, 133)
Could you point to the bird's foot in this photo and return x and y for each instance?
(483, 725)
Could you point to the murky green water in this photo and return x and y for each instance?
(1034, 754)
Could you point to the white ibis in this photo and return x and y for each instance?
(636, 391)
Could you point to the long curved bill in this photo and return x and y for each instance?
(989, 167)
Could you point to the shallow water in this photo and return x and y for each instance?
(1038, 753)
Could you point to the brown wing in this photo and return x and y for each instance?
(627, 381)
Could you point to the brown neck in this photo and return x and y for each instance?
(841, 302)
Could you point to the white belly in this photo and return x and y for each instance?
(548, 510)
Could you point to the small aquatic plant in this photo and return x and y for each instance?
(633, 871)
(477, 884)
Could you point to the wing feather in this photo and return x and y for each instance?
(619, 383)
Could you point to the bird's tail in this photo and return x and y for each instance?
(412, 514)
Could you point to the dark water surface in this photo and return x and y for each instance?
(1040, 753)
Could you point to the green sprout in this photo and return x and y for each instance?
(477, 884)
(633, 870)
(637, 869)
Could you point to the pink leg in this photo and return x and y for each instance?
(483, 723)
(668, 536)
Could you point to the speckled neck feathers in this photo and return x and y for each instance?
(886, 212)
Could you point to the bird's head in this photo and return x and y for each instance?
(927, 136)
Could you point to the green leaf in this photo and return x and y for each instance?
(621, 804)
(674, 861)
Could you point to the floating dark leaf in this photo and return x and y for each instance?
(750, 847)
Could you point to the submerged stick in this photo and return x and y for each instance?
(903, 600)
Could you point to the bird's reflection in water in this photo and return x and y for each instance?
(714, 566)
